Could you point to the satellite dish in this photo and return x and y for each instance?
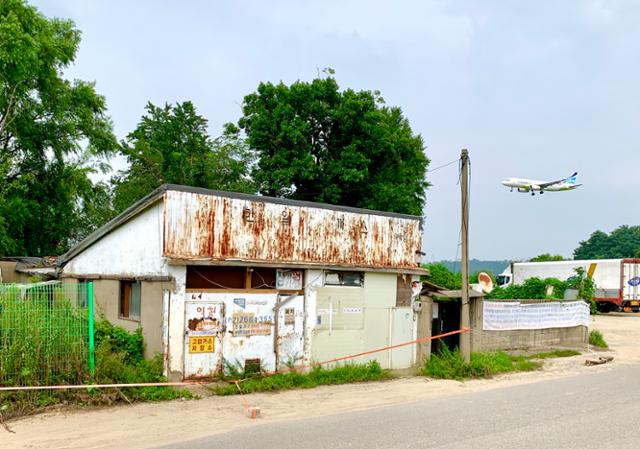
(485, 282)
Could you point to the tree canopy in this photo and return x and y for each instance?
(622, 242)
(171, 145)
(49, 127)
(546, 257)
(315, 142)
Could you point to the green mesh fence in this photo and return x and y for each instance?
(44, 334)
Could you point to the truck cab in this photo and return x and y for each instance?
(505, 278)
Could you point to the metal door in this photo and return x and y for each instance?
(290, 331)
(401, 332)
(204, 328)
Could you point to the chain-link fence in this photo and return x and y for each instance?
(46, 334)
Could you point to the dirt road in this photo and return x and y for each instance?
(147, 425)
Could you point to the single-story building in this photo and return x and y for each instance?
(216, 278)
(22, 269)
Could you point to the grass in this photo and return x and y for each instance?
(555, 354)
(596, 339)
(450, 365)
(118, 360)
(317, 376)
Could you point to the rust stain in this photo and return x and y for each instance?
(214, 227)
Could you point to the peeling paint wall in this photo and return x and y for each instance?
(247, 332)
(198, 226)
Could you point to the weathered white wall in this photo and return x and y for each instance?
(134, 249)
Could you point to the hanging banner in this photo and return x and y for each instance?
(514, 315)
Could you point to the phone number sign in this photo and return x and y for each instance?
(199, 345)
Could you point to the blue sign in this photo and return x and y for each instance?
(240, 302)
(634, 282)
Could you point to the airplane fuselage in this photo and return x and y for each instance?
(524, 185)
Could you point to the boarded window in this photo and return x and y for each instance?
(263, 278)
(403, 291)
(207, 277)
(130, 300)
(345, 278)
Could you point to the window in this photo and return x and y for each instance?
(346, 278)
(130, 300)
(83, 292)
(230, 278)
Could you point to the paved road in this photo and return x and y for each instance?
(595, 410)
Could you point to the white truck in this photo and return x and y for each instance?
(617, 281)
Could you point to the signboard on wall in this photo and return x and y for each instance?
(289, 279)
(246, 324)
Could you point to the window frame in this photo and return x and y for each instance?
(125, 301)
(341, 274)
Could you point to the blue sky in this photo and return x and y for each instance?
(532, 89)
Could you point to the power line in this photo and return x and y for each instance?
(443, 166)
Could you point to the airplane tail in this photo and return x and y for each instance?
(572, 180)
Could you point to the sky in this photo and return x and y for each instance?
(532, 89)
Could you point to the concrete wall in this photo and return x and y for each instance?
(10, 275)
(106, 293)
(423, 350)
(482, 340)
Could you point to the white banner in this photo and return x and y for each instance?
(514, 315)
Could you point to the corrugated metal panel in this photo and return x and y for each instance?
(198, 226)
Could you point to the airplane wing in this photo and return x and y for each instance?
(549, 184)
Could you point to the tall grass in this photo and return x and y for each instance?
(317, 376)
(597, 339)
(450, 365)
(43, 337)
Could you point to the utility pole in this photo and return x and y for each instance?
(465, 320)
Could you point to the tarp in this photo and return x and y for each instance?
(514, 315)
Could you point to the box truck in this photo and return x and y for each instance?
(617, 281)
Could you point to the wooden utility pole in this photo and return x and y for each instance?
(465, 338)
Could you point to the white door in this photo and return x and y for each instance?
(402, 332)
(204, 328)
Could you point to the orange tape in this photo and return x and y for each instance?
(463, 330)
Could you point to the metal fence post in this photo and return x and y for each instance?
(92, 348)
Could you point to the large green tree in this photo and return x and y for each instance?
(49, 128)
(623, 241)
(546, 257)
(315, 142)
(171, 145)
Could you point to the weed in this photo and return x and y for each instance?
(596, 339)
(317, 376)
(450, 365)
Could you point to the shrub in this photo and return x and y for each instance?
(450, 365)
(596, 339)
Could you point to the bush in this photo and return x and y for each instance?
(596, 339)
(450, 365)
(119, 340)
(317, 376)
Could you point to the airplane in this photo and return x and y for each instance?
(531, 185)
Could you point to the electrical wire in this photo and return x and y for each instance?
(443, 166)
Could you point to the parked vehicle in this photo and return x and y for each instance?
(617, 280)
